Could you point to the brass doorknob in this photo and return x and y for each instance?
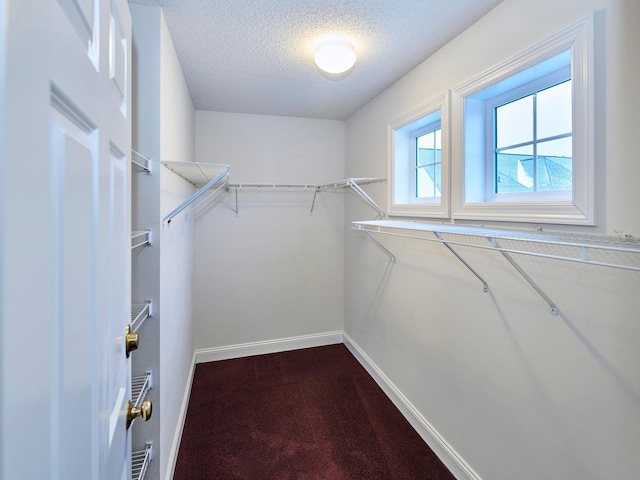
(130, 341)
(143, 411)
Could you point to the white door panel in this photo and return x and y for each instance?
(65, 244)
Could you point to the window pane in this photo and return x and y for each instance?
(555, 165)
(514, 122)
(426, 182)
(553, 110)
(514, 170)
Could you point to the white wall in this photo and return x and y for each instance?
(177, 132)
(273, 270)
(164, 122)
(515, 391)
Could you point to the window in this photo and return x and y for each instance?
(532, 140)
(427, 172)
(524, 136)
(419, 162)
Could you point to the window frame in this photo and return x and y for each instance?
(469, 153)
(402, 132)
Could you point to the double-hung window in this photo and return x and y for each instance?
(419, 161)
(524, 137)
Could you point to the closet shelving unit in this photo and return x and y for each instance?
(353, 184)
(139, 313)
(140, 462)
(204, 176)
(140, 238)
(597, 250)
(141, 162)
(141, 384)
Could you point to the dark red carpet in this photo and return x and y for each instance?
(306, 414)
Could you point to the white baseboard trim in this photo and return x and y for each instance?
(454, 462)
(268, 346)
(177, 436)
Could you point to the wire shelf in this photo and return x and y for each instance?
(140, 386)
(351, 183)
(141, 161)
(139, 238)
(196, 173)
(140, 462)
(603, 251)
(581, 247)
(201, 175)
(139, 313)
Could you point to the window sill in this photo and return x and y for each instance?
(562, 213)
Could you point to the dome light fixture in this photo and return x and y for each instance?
(335, 55)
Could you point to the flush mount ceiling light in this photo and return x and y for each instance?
(335, 55)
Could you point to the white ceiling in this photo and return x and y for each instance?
(256, 56)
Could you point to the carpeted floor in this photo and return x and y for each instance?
(306, 414)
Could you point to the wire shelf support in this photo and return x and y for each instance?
(202, 175)
(140, 238)
(140, 461)
(139, 313)
(582, 246)
(144, 163)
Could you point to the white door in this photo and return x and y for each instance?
(65, 243)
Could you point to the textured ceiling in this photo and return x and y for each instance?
(256, 56)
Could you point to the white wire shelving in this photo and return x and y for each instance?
(142, 162)
(204, 176)
(140, 386)
(139, 313)
(596, 250)
(140, 461)
(353, 184)
(140, 238)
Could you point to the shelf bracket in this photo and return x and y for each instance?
(198, 194)
(485, 286)
(356, 189)
(534, 285)
(391, 256)
(366, 198)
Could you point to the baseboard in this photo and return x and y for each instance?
(454, 462)
(268, 346)
(177, 436)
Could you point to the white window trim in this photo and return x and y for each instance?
(400, 132)
(580, 209)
